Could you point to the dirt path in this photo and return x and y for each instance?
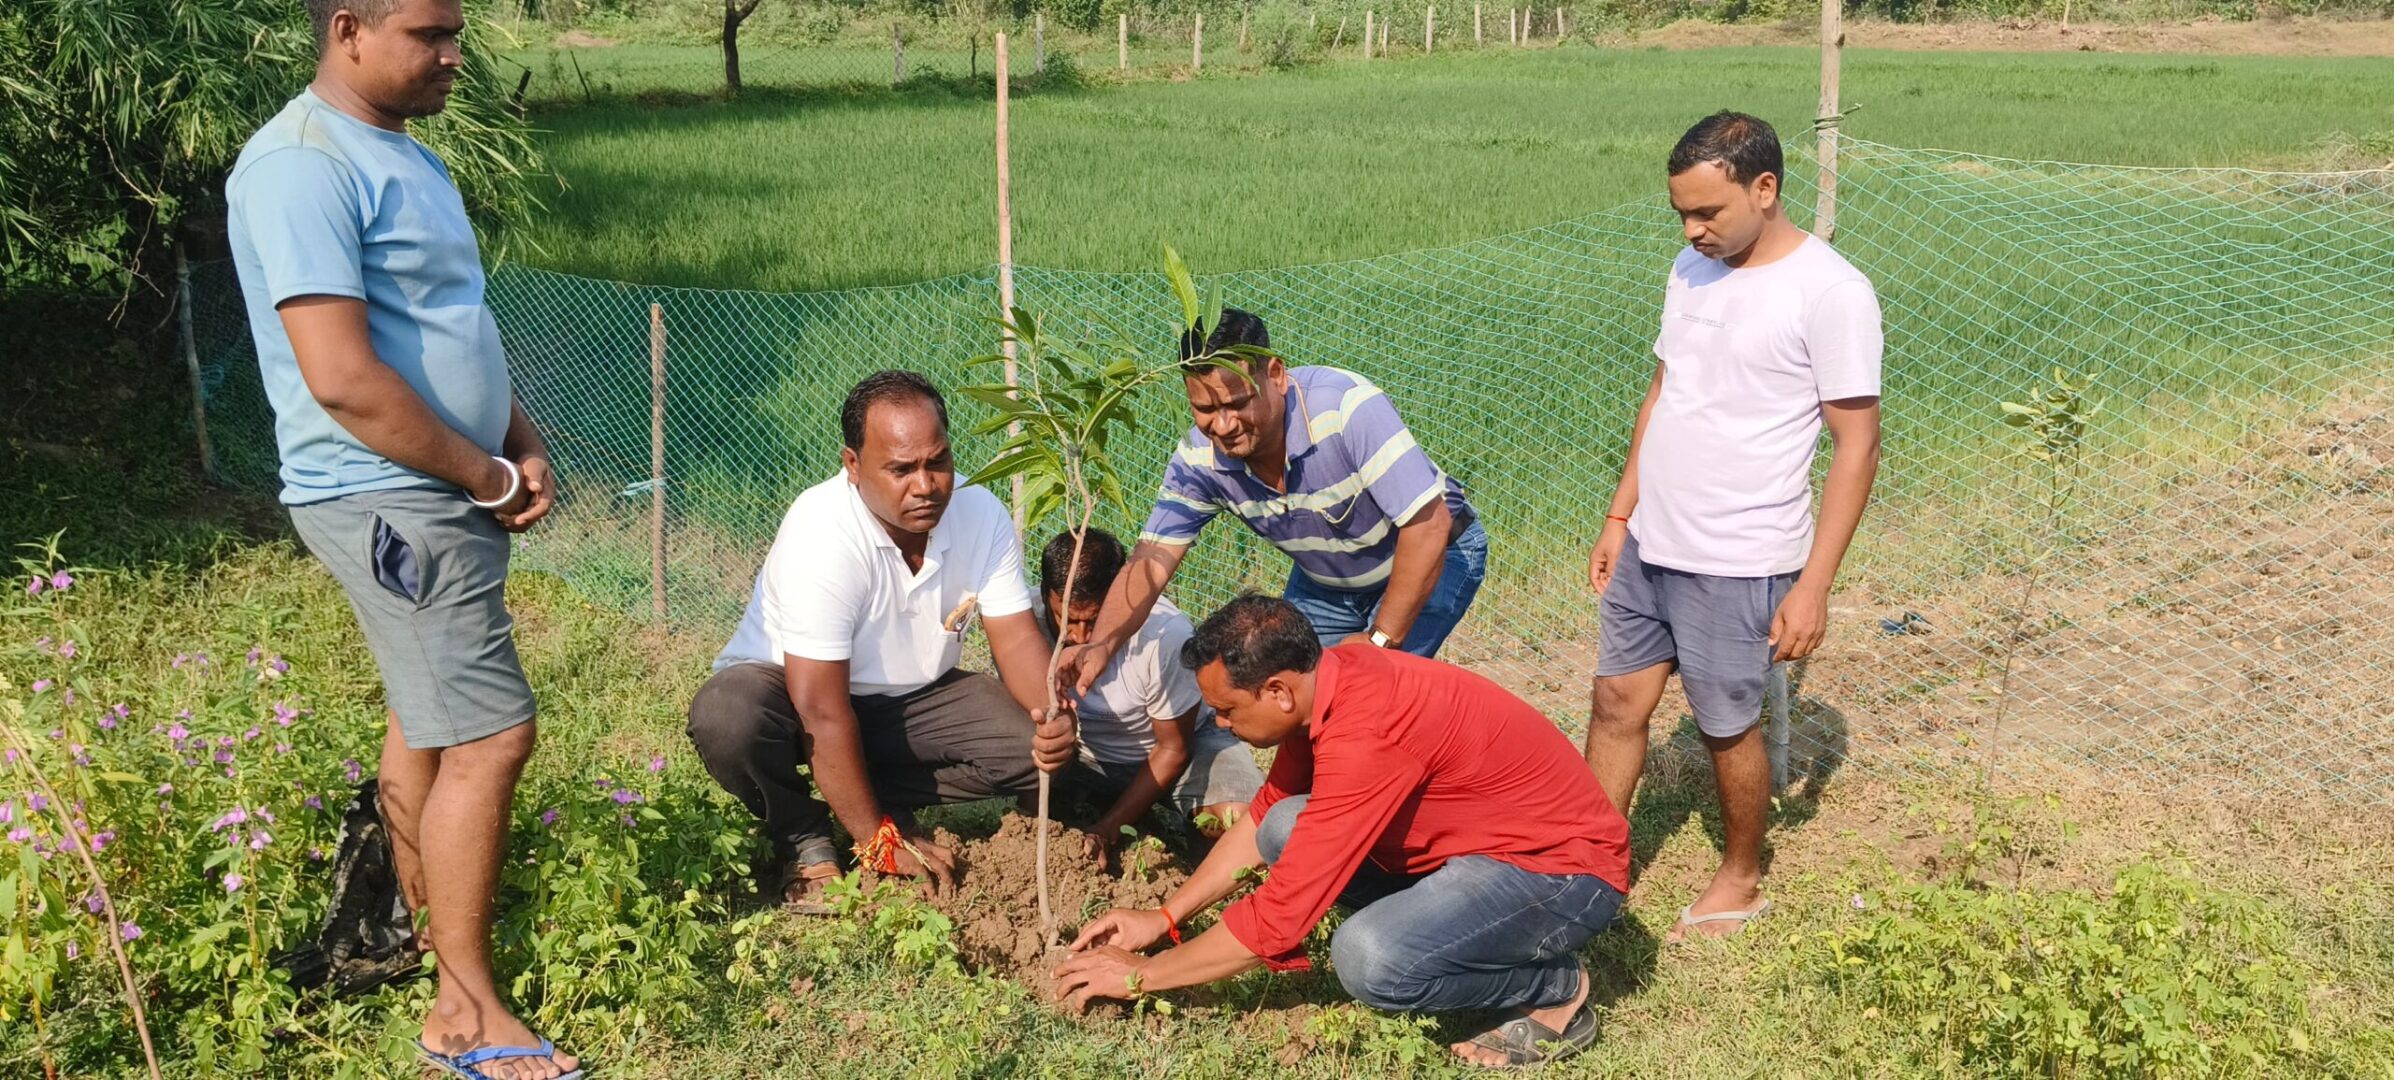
(2262, 37)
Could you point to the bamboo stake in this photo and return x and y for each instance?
(1005, 210)
(1429, 27)
(656, 460)
(1039, 43)
(199, 390)
(1367, 35)
(1476, 41)
(1122, 43)
(1832, 43)
(1197, 44)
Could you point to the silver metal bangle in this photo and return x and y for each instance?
(515, 486)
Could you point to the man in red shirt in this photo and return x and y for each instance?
(1476, 847)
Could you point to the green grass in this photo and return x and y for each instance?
(1336, 161)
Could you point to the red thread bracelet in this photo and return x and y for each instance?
(1171, 925)
(1616, 517)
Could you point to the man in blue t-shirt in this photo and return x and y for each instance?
(406, 461)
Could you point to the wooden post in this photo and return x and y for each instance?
(1367, 34)
(199, 396)
(897, 52)
(1429, 27)
(1384, 37)
(1559, 32)
(1242, 29)
(1005, 212)
(1197, 44)
(1475, 26)
(1340, 37)
(656, 460)
(1122, 42)
(1832, 42)
(1512, 26)
(1039, 43)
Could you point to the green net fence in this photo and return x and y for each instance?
(2211, 609)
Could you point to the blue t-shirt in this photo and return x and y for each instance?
(325, 204)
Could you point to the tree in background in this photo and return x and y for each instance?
(120, 119)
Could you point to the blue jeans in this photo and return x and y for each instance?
(1475, 933)
(1339, 613)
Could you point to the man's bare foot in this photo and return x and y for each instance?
(1554, 1018)
(1724, 896)
(454, 1029)
(803, 888)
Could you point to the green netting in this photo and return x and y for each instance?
(2213, 614)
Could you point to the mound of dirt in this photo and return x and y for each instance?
(996, 903)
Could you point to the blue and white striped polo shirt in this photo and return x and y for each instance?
(1354, 472)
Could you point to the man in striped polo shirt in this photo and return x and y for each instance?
(1315, 460)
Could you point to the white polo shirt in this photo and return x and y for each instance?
(835, 587)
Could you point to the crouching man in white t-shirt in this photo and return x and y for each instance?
(1709, 562)
(1145, 733)
(846, 659)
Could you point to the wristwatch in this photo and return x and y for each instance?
(1381, 639)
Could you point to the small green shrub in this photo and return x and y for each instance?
(2162, 976)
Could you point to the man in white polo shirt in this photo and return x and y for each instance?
(846, 659)
(1709, 562)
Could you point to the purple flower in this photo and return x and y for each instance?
(548, 817)
(36, 802)
(129, 930)
(224, 757)
(41, 685)
(252, 656)
(57, 734)
(252, 733)
(312, 802)
(260, 839)
(180, 660)
(625, 797)
(102, 840)
(34, 587)
(165, 790)
(74, 951)
(604, 784)
(60, 580)
(67, 650)
(234, 881)
(224, 741)
(92, 903)
(657, 763)
(8, 811)
(284, 714)
(178, 732)
(278, 666)
(19, 835)
(232, 817)
(108, 720)
(42, 643)
(70, 695)
(265, 815)
(627, 821)
(1858, 904)
(350, 769)
(282, 748)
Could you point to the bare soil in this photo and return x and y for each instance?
(2261, 37)
(996, 903)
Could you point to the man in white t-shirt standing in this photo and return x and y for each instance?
(846, 659)
(1709, 561)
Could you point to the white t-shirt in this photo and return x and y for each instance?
(834, 587)
(1144, 683)
(1725, 472)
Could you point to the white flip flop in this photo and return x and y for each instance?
(1689, 919)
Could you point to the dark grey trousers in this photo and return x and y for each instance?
(959, 739)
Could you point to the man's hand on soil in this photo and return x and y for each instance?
(1097, 846)
(1800, 623)
(1123, 929)
(1107, 972)
(922, 858)
(1052, 739)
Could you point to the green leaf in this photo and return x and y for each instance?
(1176, 272)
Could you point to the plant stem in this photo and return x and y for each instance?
(1055, 659)
(115, 934)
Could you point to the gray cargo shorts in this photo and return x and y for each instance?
(1717, 629)
(426, 572)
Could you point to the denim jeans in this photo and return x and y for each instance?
(1476, 933)
(1339, 613)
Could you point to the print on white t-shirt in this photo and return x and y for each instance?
(1725, 471)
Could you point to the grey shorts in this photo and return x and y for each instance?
(426, 572)
(1221, 770)
(1716, 629)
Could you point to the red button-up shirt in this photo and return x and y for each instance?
(1411, 762)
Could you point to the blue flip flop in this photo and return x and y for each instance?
(463, 1065)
